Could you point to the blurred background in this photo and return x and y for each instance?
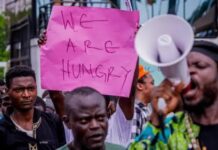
(21, 22)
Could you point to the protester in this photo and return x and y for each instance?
(86, 111)
(124, 124)
(123, 127)
(142, 102)
(5, 101)
(2, 91)
(7, 108)
(144, 86)
(26, 127)
(196, 127)
(2, 87)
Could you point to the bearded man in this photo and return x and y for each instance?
(194, 125)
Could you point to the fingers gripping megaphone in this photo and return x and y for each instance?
(165, 41)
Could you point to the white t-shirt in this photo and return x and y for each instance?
(119, 130)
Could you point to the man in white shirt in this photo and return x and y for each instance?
(122, 126)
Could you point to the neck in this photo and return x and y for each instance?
(24, 119)
(76, 146)
(209, 116)
(144, 99)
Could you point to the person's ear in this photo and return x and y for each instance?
(66, 120)
(140, 86)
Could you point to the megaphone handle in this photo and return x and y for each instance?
(161, 104)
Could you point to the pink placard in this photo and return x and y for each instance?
(89, 46)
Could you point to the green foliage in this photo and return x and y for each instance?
(2, 33)
(1, 73)
(14, 18)
(4, 55)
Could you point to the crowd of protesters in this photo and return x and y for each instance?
(84, 119)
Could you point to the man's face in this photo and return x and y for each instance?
(148, 85)
(22, 93)
(89, 122)
(204, 75)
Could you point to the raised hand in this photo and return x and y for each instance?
(42, 38)
(171, 95)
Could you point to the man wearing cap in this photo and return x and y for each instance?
(142, 101)
(128, 120)
(196, 127)
(144, 86)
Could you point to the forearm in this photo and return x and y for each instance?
(127, 106)
(58, 100)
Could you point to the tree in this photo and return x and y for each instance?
(4, 55)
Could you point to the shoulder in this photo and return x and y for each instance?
(6, 129)
(52, 120)
(152, 137)
(51, 117)
(110, 146)
(5, 122)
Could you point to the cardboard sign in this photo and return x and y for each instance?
(90, 47)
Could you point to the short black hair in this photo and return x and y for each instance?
(141, 80)
(18, 71)
(80, 91)
(2, 82)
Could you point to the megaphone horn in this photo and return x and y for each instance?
(165, 41)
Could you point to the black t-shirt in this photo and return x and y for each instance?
(49, 133)
(209, 136)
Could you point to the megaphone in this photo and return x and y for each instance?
(165, 41)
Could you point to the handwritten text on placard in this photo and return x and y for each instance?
(90, 47)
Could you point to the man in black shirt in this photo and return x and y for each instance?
(27, 128)
(202, 100)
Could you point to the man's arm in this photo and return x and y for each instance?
(127, 107)
(127, 104)
(58, 100)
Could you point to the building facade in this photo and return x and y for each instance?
(2, 6)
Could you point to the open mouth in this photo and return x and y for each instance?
(193, 91)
